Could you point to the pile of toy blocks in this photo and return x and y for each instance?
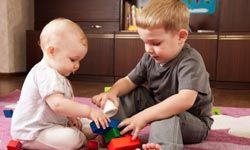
(113, 138)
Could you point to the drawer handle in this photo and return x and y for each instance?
(96, 26)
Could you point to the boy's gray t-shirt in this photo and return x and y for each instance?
(185, 71)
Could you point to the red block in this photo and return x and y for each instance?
(14, 145)
(124, 143)
(92, 145)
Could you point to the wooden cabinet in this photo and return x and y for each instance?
(113, 53)
(129, 48)
(233, 62)
(206, 45)
(98, 18)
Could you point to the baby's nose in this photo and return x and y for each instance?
(76, 66)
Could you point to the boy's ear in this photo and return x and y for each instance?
(50, 51)
(183, 34)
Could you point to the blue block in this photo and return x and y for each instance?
(8, 113)
(112, 124)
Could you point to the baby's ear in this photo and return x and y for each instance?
(50, 50)
(183, 34)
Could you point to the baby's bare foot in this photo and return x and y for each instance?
(151, 146)
(89, 134)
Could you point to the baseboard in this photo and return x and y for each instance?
(231, 85)
(92, 78)
(14, 74)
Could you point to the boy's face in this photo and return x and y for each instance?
(161, 45)
(68, 54)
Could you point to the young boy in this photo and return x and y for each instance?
(46, 116)
(178, 100)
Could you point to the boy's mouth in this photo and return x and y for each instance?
(155, 57)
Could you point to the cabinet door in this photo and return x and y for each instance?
(233, 58)
(128, 50)
(99, 59)
(206, 45)
(233, 16)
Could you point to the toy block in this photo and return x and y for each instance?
(124, 143)
(107, 88)
(14, 145)
(110, 109)
(216, 111)
(111, 134)
(8, 113)
(92, 145)
(112, 124)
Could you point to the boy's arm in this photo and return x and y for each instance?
(173, 105)
(122, 87)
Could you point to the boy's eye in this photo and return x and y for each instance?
(156, 43)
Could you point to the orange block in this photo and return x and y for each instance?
(124, 143)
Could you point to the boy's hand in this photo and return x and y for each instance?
(101, 99)
(74, 122)
(135, 124)
(99, 118)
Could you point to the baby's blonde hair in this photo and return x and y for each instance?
(173, 15)
(57, 28)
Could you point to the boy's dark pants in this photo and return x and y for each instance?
(170, 133)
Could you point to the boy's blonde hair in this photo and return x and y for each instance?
(56, 28)
(173, 15)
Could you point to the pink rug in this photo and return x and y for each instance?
(217, 139)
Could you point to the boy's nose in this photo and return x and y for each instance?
(149, 49)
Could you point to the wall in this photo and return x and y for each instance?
(17, 16)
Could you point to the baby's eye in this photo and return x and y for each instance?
(72, 60)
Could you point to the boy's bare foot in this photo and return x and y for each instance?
(151, 146)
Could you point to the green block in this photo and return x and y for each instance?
(216, 111)
(110, 134)
(107, 88)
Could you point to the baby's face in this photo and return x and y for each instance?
(161, 45)
(68, 54)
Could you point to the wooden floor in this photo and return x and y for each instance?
(223, 97)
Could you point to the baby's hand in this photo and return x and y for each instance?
(99, 118)
(75, 122)
(135, 124)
